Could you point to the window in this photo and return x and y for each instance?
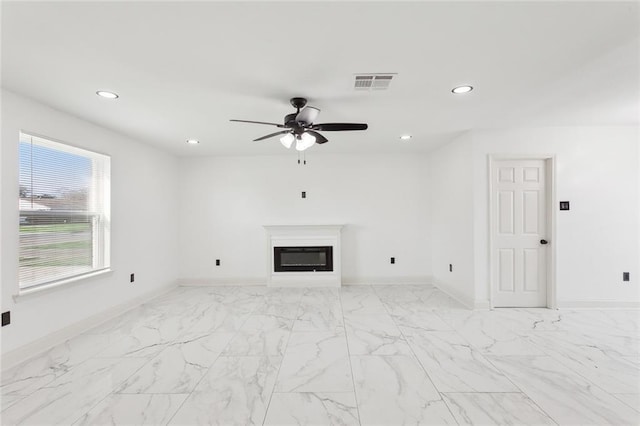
(64, 212)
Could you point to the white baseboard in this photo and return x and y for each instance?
(251, 281)
(422, 280)
(467, 301)
(598, 304)
(305, 284)
(221, 282)
(481, 304)
(37, 347)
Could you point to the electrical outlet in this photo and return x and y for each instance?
(393, 260)
(450, 267)
(625, 276)
(217, 262)
(6, 318)
(304, 194)
(132, 278)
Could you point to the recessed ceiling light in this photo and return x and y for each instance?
(108, 95)
(193, 141)
(405, 137)
(462, 89)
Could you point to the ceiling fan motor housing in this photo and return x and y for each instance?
(298, 102)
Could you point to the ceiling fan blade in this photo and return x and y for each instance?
(318, 136)
(337, 127)
(308, 115)
(272, 135)
(258, 122)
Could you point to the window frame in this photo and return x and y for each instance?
(100, 219)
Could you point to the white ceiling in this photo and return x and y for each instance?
(184, 69)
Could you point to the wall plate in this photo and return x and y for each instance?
(6, 318)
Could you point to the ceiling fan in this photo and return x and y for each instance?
(299, 126)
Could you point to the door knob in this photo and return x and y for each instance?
(544, 242)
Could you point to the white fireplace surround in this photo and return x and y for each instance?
(304, 236)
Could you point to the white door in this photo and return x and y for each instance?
(519, 227)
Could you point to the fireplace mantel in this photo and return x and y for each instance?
(304, 236)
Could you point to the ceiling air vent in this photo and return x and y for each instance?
(372, 81)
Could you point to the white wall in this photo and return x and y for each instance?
(451, 188)
(172, 218)
(426, 213)
(383, 200)
(597, 171)
(144, 223)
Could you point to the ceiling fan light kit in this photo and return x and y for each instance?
(301, 128)
(287, 140)
(304, 141)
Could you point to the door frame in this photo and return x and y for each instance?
(550, 188)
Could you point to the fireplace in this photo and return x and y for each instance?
(303, 259)
(303, 255)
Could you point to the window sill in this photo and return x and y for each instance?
(47, 288)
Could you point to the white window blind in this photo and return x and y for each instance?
(64, 211)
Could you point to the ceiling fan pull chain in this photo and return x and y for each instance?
(304, 156)
(298, 157)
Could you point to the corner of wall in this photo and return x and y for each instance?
(455, 294)
(452, 218)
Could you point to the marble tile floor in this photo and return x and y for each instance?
(361, 355)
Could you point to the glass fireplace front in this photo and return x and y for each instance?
(303, 259)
